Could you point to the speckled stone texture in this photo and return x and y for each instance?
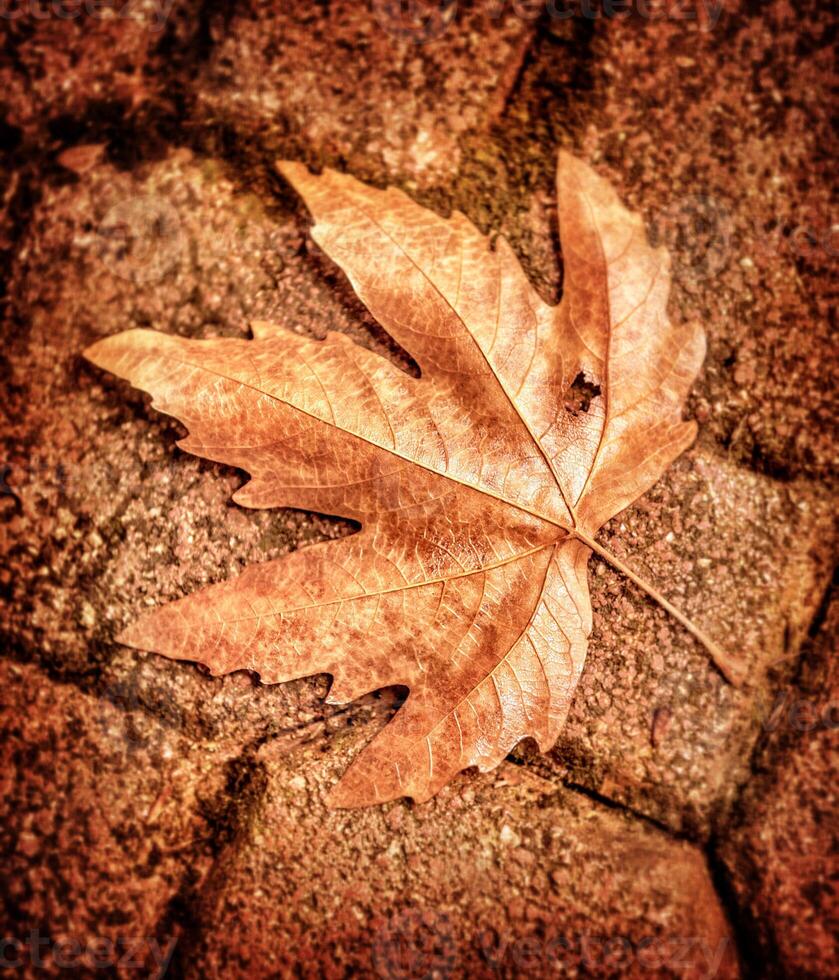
(483, 881)
(781, 851)
(679, 827)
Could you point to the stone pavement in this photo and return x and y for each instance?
(679, 827)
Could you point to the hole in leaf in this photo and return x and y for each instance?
(581, 394)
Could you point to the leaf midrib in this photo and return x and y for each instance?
(409, 586)
(511, 401)
(556, 522)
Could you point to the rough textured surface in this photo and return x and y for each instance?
(366, 96)
(711, 534)
(745, 208)
(100, 801)
(409, 891)
(721, 139)
(654, 725)
(781, 853)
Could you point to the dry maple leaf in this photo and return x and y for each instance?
(478, 486)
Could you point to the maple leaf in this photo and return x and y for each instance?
(478, 486)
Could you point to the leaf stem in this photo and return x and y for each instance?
(731, 671)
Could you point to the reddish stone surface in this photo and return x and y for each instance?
(711, 535)
(165, 212)
(102, 826)
(781, 854)
(70, 67)
(501, 875)
(720, 136)
(369, 93)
